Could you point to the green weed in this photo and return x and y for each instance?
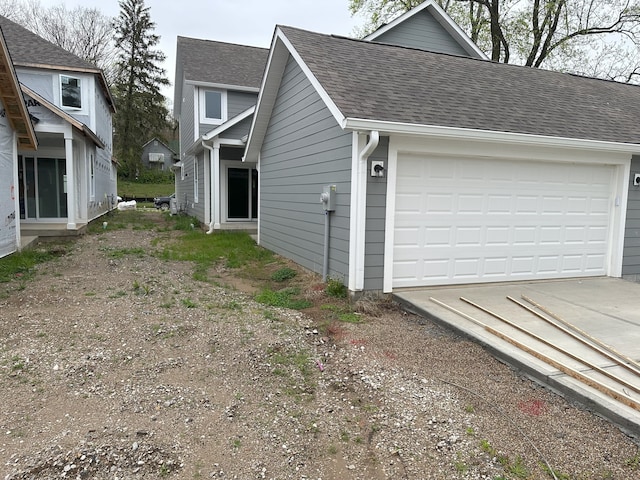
(285, 298)
(283, 274)
(335, 288)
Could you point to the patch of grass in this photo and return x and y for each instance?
(118, 294)
(187, 302)
(234, 249)
(17, 363)
(335, 288)
(21, 265)
(344, 436)
(349, 317)
(551, 472)
(283, 274)
(285, 298)
(469, 409)
(518, 468)
(634, 462)
(486, 447)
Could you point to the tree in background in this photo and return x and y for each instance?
(85, 32)
(141, 111)
(587, 37)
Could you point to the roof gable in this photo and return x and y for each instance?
(429, 27)
(30, 50)
(218, 63)
(13, 100)
(397, 86)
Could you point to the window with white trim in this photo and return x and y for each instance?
(213, 106)
(70, 92)
(156, 157)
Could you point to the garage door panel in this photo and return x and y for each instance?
(467, 220)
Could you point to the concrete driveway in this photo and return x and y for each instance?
(603, 311)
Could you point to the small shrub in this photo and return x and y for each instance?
(283, 274)
(335, 288)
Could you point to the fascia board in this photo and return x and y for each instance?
(222, 86)
(64, 115)
(229, 123)
(266, 100)
(280, 48)
(391, 128)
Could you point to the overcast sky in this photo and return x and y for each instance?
(247, 22)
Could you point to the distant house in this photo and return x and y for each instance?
(216, 90)
(71, 179)
(441, 168)
(16, 133)
(156, 155)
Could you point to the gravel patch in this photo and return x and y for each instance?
(126, 367)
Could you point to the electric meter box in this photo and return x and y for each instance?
(328, 198)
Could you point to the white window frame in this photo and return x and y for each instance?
(203, 106)
(80, 86)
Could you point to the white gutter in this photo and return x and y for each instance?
(359, 209)
(359, 124)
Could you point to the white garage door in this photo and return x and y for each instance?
(465, 220)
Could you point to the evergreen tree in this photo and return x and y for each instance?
(141, 110)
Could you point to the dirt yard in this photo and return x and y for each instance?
(115, 364)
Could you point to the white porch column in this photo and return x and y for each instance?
(207, 182)
(215, 184)
(70, 183)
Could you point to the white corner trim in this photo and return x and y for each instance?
(390, 219)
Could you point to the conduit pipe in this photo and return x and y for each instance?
(211, 223)
(325, 258)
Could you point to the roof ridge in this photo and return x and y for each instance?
(463, 57)
(181, 37)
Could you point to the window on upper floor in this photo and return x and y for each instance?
(213, 106)
(70, 91)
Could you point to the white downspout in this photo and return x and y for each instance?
(359, 213)
(211, 188)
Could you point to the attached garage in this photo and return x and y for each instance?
(459, 218)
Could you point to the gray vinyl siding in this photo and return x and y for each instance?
(631, 252)
(424, 32)
(184, 187)
(187, 126)
(197, 210)
(375, 226)
(238, 102)
(303, 150)
(238, 131)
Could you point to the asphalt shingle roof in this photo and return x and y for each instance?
(374, 81)
(27, 48)
(223, 63)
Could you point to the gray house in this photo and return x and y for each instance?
(157, 155)
(216, 90)
(441, 168)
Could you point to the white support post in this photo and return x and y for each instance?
(71, 184)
